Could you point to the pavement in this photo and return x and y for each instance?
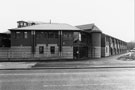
(107, 62)
(16, 65)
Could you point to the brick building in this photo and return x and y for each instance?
(103, 45)
(50, 40)
(38, 40)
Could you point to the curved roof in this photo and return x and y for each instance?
(48, 26)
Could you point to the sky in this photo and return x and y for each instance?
(113, 17)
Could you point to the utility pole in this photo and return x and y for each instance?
(134, 23)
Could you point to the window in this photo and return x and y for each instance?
(56, 35)
(24, 24)
(45, 34)
(50, 35)
(17, 35)
(67, 35)
(41, 34)
(52, 50)
(41, 49)
(80, 37)
(37, 35)
(21, 24)
(106, 49)
(25, 35)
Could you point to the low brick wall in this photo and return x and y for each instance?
(20, 52)
(24, 53)
(67, 52)
(4, 52)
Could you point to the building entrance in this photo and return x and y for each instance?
(80, 52)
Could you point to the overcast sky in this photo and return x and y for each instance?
(113, 17)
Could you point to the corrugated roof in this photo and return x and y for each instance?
(89, 28)
(52, 26)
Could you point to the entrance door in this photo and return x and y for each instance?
(83, 52)
(76, 52)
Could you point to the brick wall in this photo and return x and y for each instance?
(67, 52)
(16, 52)
(20, 52)
(4, 52)
(47, 52)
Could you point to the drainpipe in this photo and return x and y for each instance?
(33, 42)
(60, 43)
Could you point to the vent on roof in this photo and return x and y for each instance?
(25, 24)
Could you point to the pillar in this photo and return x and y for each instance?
(96, 44)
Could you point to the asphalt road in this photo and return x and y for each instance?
(68, 79)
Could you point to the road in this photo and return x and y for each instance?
(68, 79)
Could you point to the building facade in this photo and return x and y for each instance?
(112, 46)
(102, 45)
(42, 41)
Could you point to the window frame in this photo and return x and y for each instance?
(52, 49)
(41, 49)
